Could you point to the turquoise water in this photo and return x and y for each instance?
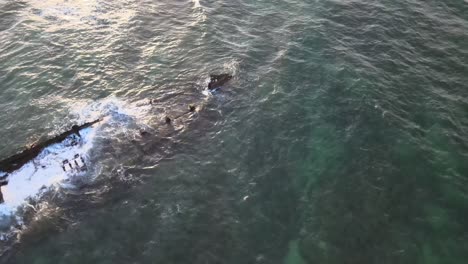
(341, 138)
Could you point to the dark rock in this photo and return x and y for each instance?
(218, 80)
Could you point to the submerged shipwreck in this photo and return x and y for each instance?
(17, 161)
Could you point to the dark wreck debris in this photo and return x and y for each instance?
(78, 164)
(3, 182)
(218, 80)
(144, 133)
(15, 162)
(191, 109)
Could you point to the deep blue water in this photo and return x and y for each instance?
(341, 139)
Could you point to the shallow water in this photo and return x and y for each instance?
(340, 139)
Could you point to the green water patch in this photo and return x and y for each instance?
(382, 196)
(377, 188)
(294, 256)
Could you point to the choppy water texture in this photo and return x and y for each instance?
(342, 138)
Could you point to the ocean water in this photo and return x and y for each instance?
(341, 139)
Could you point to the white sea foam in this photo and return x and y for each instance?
(112, 108)
(196, 3)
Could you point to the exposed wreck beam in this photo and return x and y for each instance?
(16, 161)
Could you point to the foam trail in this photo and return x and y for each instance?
(196, 3)
(199, 13)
